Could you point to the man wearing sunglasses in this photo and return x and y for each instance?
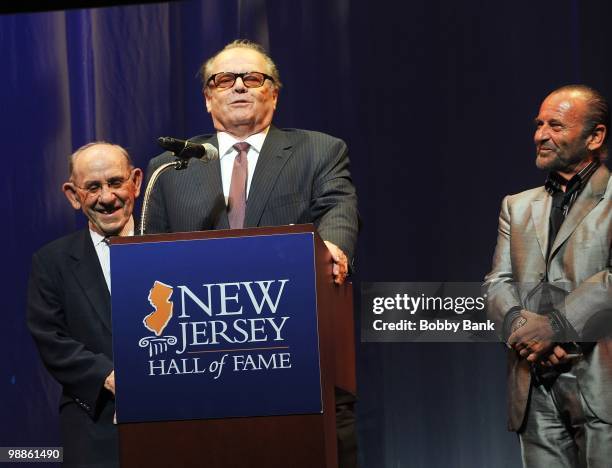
(264, 176)
(285, 177)
(68, 310)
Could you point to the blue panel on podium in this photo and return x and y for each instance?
(215, 328)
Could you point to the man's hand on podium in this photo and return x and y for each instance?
(109, 383)
(340, 269)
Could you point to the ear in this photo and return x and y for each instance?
(275, 96)
(71, 194)
(597, 137)
(137, 181)
(206, 94)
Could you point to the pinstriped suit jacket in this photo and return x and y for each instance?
(301, 177)
(579, 261)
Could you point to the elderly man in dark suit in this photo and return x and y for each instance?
(550, 289)
(69, 311)
(265, 176)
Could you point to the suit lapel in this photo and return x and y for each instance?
(275, 152)
(211, 186)
(540, 212)
(586, 201)
(88, 274)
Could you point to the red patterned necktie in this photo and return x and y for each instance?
(237, 194)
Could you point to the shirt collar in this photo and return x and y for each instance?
(227, 141)
(555, 182)
(96, 238)
(128, 230)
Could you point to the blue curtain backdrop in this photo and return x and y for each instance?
(435, 100)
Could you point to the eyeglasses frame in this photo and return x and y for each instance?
(241, 76)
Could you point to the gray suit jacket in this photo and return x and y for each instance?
(579, 262)
(301, 177)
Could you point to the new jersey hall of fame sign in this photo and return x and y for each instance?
(215, 328)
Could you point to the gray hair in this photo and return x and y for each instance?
(205, 69)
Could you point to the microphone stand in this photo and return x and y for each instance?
(205, 152)
(178, 165)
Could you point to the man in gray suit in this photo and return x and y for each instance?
(550, 289)
(264, 176)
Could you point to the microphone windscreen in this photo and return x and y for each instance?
(171, 144)
(212, 152)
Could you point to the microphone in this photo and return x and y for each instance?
(185, 149)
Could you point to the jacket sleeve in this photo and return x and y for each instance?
(499, 286)
(588, 308)
(334, 200)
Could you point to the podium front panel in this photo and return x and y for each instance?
(215, 328)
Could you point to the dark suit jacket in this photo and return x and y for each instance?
(301, 177)
(578, 262)
(68, 314)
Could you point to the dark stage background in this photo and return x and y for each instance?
(436, 101)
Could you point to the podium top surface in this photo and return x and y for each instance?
(215, 234)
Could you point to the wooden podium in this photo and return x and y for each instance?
(294, 440)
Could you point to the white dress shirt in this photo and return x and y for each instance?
(227, 154)
(103, 249)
